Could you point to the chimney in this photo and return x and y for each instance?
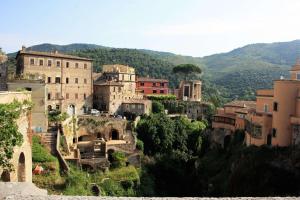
(23, 48)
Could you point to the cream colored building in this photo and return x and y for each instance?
(117, 84)
(68, 78)
(22, 157)
(39, 97)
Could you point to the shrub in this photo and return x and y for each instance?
(39, 152)
(157, 107)
(140, 145)
(112, 188)
(161, 97)
(118, 159)
(127, 184)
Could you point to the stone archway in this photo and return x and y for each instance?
(21, 168)
(5, 176)
(114, 134)
(71, 110)
(109, 154)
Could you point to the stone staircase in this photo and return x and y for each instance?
(49, 141)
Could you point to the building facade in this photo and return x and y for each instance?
(22, 156)
(275, 119)
(68, 78)
(152, 86)
(39, 122)
(116, 84)
(3, 71)
(189, 90)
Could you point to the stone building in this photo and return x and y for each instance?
(22, 157)
(133, 108)
(147, 86)
(96, 138)
(116, 84)
(3, 71)
(190, 90)
(68, 79)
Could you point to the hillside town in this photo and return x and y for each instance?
(85, 119)
(114, 99)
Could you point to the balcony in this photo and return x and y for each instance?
(224, 122)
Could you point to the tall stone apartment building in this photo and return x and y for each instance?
(116, 84)
(275, 119)
(3, 71)
(148, 86)
(68, 79)
(22, 157)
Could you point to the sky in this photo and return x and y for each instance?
(186, 27)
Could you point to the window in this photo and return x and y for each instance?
(57, 96)
(41, 62)
(154, 91)
(57, 63)
(153, 84)
(49, 107)
(49, 63)
(122, 77)
(298, 76)
(275, 106)
(28, 89)
(142, 84)
(32, 61)
(57, 79)
(76, 96)
(266, 108)
(76, 80)
(143, 91)
(67, 64)
(49, 79)
(274, 132)
(57, 107)
(85, 66)
(76, 65)
(49, 96)
(85, 81)
(161, 91)
(67, 95)
(162, 84)
(84, 96)
(67, 80)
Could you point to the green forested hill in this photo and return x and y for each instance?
(235, 74)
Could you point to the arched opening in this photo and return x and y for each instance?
(49, 107)
(227, 139)
(269, 140)
(71, 109)
(109, 153)
(114, 134)
(95, 190)
(21, 168)
(5, 176)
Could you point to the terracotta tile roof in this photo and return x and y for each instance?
(52, 54)
(146, 79)
(242, 104)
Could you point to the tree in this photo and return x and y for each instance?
(9, 132)
(187, 69)
(157, 133)
(157, 107)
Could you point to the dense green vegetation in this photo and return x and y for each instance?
(10, 135)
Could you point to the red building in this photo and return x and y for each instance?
(152, 86)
